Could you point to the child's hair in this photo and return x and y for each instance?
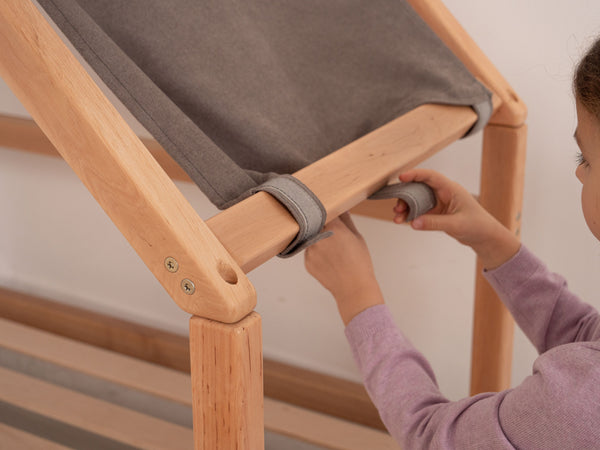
(586, 82)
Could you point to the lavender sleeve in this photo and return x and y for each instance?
(547, 312)
(557, 407)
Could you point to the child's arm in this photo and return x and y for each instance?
(544, 412)
(342, 264)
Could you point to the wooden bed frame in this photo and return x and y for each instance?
(213, 256)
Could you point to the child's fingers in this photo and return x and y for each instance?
(400, 218)
(434, 222)
(400, 207)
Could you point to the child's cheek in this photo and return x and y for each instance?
(590, 202)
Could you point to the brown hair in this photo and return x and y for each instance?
(586, 82)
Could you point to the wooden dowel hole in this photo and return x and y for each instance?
(227, 272)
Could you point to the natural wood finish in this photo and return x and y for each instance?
(502, 182)
(97, 362)
(294, 385)
(512, 111)
(96, 416)
(24, 134)
(20, 133)
(15, 439)
(341, 180)
(116, 167)
(323, 430)
(227, 383)
(128, 338)
(376, 209)
(280, 417)
(334, 396)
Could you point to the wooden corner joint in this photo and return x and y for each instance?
(512, 112)
(202, 277)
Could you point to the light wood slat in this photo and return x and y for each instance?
(323, 430)
(280, 417)
(117, 169)
(291, 384)
(512, 111)
(106, 365)
(91, 414)
(319, 392)
(15, 439)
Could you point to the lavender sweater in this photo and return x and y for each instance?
(557, 407)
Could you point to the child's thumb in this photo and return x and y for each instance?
(432, 222)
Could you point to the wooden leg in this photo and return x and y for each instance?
(502, 179)
(227, 383)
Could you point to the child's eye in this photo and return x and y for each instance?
(581, 161)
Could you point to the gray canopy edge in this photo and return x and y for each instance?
(208, 165)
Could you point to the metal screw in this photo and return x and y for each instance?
(171, 264)
(188, 286)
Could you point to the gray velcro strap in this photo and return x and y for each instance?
(419, 197)
(304, 205)
(484, 112)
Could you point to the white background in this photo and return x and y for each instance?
(56, 242)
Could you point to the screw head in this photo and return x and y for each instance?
(171, 264)
(188, 286)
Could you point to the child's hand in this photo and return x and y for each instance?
(342, 264)
(458, 214)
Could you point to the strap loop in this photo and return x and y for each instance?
(484, 111)
(304, 205)
(419, 197)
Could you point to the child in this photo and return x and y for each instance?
(558, 406)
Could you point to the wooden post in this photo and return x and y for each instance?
(227, 384)
(502, 179)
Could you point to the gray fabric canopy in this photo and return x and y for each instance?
(238, 91)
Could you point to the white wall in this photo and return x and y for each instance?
(56, 242)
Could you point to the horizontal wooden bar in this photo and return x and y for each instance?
(103, 364)
(128, 338)
(512, 110)
(294, 385)
(341, 180)
(280, 417)
(323, 430)
(117, 169)
(13, 438)
(22, 133)
(90, 414)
